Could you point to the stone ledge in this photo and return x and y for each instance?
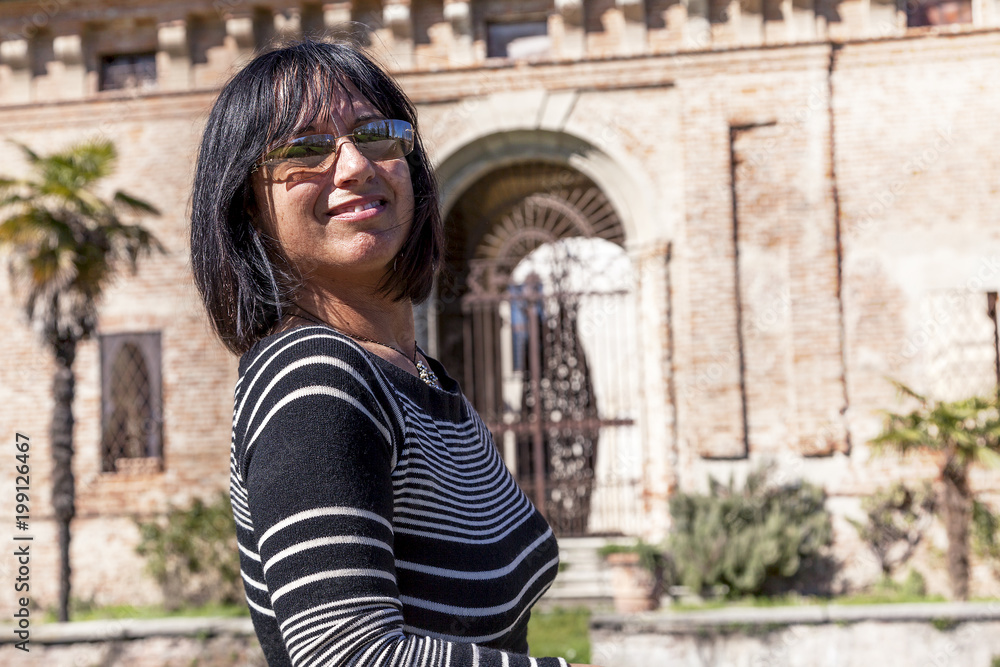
(666, 622)
(125, 628)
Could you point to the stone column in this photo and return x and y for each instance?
(173, 56)
(288, 24)
(14, 57)
(698, 30)
(568, 38)
(458, 13)
(68, 50)
(396, 17)
(241, 38)
(337, 16)
(634, 37)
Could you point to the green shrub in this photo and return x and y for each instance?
(192, 554)
(651, 557)
(897, 518)
(750, 540)
(985, 531)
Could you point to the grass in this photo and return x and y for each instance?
(556, 633)
(85, 611)
(560, 633)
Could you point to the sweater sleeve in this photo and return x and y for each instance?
(319, 439)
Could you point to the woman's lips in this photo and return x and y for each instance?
(359, 211)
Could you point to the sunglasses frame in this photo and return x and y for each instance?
(407, 142)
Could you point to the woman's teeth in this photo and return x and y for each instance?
(365, 207)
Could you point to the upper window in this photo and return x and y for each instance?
(938, 12)
(524, 39)
(128, 71)
(131, 403)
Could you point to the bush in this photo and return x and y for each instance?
(897, 519)
(753, 540)
(650, 556)
(192, 553)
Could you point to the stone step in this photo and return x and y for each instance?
(583, 577)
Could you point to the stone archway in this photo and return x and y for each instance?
(509, 325)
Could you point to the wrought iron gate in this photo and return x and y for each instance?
(547, 365)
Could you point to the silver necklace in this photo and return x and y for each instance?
(425, 373)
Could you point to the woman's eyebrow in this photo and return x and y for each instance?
(359, 120)
(366, 117)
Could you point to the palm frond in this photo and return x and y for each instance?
(30, 155)
(907, 391)
(986, 457)
(134, 204)
(66, 240)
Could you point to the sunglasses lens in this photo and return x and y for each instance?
(307, 156)
(384, 139)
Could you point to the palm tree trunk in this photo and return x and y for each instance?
(957, 515)
(63, 500)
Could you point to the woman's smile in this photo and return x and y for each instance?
(349, 222)
(359, 209)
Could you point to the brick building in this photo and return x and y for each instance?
(735, 220)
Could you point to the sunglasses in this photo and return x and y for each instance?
(308, 156)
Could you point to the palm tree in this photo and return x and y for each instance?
(958, 434)
(65, 244)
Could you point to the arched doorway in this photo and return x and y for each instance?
(538, 322)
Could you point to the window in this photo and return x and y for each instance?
(937, 12)
(525, 39)
(131, 421)
(956, 340)
(128, 71)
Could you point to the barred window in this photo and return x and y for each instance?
(957, 336)
(128, 71)
(131, 403)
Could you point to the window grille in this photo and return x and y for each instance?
(128, 71)
(131, 403)
(957, 334)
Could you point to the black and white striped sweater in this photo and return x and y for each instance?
(377, 524)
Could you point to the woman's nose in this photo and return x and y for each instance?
(350, 165)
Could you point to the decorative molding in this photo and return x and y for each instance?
(172, 38)
(336, 14)
(14, 53)
(396, 16)
(288, 23)
(457, 12)
(240, 28)
(572, 10)
(68, 49)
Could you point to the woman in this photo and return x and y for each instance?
(376, 523)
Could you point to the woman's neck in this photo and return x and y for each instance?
(362, 314)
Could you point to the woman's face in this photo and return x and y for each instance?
(346, 225)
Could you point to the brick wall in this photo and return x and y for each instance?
(778, 286)
(157, 141)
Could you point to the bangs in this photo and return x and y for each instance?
(304, 88)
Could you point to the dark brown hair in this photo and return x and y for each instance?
(241, 275)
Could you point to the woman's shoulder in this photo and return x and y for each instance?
(312, 360)
(299, 343)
